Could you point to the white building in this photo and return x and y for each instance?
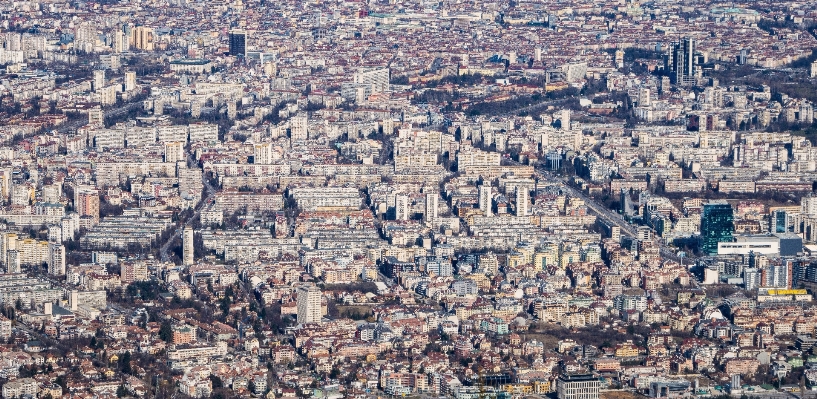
(309, 304)
(188, 247)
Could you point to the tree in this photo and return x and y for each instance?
(124, 363)
(121, 392)
(217, 383)
(165, 332)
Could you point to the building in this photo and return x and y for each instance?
(56, 259)
(402, 211)
(680, 61)
(432, 207)
(20, 388)
(191, 65)
(376, 79)
(578, 386)
(522, 201)
(238, 43)
(814, 69)
(86, 203)
(130, 80)
(717, 225)
(143, 38)
(309, 304)
(187, 246)
(751, 278)
(485, 199)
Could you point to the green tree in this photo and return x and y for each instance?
(121, 392)
(165, 332)
(217, 383)
(124, 363)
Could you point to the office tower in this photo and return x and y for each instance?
(56, 259)
(143, 38)
(485, 200)
(779, 222)
(238, 43)
(309, 304)
(717, 225)
(522, 201)
(13, 262)
(130, 80)
(401, 207)
(432, 202)
(86, 202)
(680, 62)
(537, 54)
(187, 246)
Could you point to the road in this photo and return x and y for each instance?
(210, 192)
(607, 215)
(112, 112)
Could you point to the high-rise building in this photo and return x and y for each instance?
(778, 275)
(262, 153)
(56, 259)
(120, 42)
(717, 225)
(432, 206)
(309, 304)
(780, 222)
(174, 151)
(485, 200)
(814, 69)
(238, 43)
(680, 62)
(401, 207)
(644, 97)
(130, 80)
(13, 262)
(86, 202)
(522, 201)
(751, 278)
(143, 38)
(187, 246)
(99, 79)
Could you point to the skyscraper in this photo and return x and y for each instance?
(717, 225)
(238, 42)
(780, 221)
(680, 62)
(187, 246)
(309, 304)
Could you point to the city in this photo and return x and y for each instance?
(448, 199)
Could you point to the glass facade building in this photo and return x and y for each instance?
(717, 225)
